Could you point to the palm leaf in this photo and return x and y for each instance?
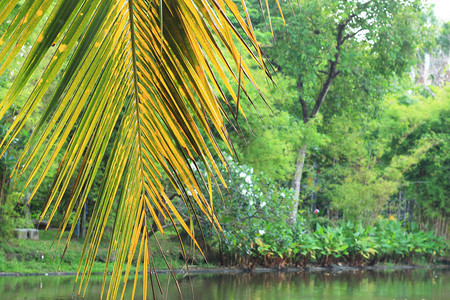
(146, 73)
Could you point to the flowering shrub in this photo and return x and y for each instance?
(254, 209)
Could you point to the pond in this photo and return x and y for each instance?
(388, 284)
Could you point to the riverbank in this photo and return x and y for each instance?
(192, 269)
(43, 258)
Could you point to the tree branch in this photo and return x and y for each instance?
(349, 36)
(305, 111)
(332, 71)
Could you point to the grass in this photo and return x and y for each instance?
(42, 256)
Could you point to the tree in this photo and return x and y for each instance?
(343, 51)
(152, 68)
(417, 141)
(403, 150)
(355, 185)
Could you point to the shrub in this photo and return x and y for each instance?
(279, 244)
(10, 217)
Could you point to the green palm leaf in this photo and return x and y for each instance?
(150, 69)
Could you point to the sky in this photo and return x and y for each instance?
(441, 9)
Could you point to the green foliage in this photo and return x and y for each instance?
(11, 217)
(330, 243)
(397, 245)
(362, 194)
(7, 216)
(415, 136)
(353, 180)
(314, 222)
(361, 167)
(367, 160)
(273, 131)
(361, 242)
(444, 38)
(349, 243)
(349, 55)
(370, 40)
(30, 256)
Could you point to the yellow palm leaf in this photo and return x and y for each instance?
(147, 68)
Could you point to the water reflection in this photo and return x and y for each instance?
(397, 284)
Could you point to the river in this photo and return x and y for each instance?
(381, 284)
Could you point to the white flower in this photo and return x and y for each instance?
(242, 174)
(189, 193)
(282, 195)
(251, 202)
(262, 204)
(244, 191)
(261, 232)
(248, 179)
(251, 170)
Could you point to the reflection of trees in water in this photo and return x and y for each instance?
(259, 285)
(15, 287)
(317, 285)
(346, 280)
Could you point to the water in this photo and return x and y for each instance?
(394, 284)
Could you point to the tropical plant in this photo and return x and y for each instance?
(360, 241)
(141, 76)
(331, 245)
(352, 244)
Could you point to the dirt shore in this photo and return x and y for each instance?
(196, 270)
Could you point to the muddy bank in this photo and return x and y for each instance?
(196, 270)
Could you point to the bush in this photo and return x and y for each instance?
(10, 217)
(279, 244)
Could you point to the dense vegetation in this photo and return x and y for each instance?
(257, 232)
(347, 244)
(344, 160)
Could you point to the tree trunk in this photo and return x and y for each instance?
(4, 183)
(84, 220)
(331, 73)
(296, 182)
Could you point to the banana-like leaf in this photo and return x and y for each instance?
(140, 75)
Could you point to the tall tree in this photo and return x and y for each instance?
(342, 53)
(155, 64)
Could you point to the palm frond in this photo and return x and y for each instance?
(153, 69)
